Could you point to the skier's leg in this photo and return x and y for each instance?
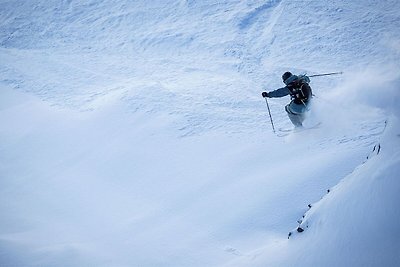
(296, 119)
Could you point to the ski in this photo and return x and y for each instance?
(284, 132)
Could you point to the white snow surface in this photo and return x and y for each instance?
(133, 133)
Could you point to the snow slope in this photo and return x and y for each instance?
(133, 133)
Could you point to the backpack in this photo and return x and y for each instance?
(304, 78)
(300, 90)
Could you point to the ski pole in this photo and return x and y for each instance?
(270, 117)
(325, 74)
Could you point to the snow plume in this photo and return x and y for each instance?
(370, 89)
(366, 95)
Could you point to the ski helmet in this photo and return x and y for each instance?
(286, 76)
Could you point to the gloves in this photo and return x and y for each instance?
(265, 94)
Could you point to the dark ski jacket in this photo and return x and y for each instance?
(298, 89)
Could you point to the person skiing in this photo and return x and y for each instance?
(300, 92)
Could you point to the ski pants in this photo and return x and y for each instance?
(296, 113)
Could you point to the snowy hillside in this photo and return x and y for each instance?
(133, 133)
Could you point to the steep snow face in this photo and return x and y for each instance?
(134, 134)
(361, 213)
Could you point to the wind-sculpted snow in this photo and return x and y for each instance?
(133, 133)
(255, 15)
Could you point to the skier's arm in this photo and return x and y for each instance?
(284, 91)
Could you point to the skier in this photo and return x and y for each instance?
(300, 92)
